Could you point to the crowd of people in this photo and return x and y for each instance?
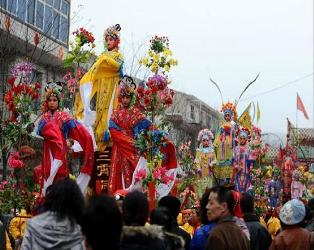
(224, 220)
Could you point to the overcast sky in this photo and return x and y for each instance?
(230, 41)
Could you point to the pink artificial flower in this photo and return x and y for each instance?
(157, 174)
(140, 175)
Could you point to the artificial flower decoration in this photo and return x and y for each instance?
(159, 56)
(81, 49)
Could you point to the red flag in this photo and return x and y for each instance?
(300, 106)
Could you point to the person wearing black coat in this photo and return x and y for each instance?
(260, 238)
(135, 234)
(173, 204)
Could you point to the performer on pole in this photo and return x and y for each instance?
(99, 88)
(56, 127)
(225, 143)
(242, 162)
(204, 160)
(125, 123)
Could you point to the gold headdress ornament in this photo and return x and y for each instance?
(113, 31)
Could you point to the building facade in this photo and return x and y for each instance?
(36, 30)
(187, 116)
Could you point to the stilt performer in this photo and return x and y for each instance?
(99, 88)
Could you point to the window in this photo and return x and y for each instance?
(3, 4)
(21, 9)
(64, 29)
(56, 24)
(31, 11)
(65, 7)
(56, 4)
(12, 4)
(48, 20)
(40, 15)
(192, 114)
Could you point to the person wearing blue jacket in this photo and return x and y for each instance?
(200, 236)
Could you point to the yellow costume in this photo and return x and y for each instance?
(103, 77)
(18, 225)
(273, 226)
(203, 161)
(224, 144)
(188, 228)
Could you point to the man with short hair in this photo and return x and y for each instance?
(173, 204)
(260, 238)
(226, 234)
(135, 235)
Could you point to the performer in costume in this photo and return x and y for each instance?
(100, 85)
(225, 143)
(125, 123)
(297, 187)
(56, 126)
(275, 189)
(242, 162)
(204, 160)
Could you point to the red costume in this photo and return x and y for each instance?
(55, 128)
(124, 124)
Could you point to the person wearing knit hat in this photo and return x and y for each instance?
(292, 213)
(293, 235)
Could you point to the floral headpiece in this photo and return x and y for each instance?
(113, 31)
(127, 86)
(229, 108)
(257, 131)
(205, 134)
(53, 89)
(244, 132)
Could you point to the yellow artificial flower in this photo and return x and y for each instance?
(144, 61)
(167, 68)
(175, 62)
(167, 52)
(154, 67)
(156, 58)
(150, 53)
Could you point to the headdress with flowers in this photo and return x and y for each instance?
(127, 87)
(205, 134)
(229, 108)
(53, 89)
(244, 132)
(113, 31)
